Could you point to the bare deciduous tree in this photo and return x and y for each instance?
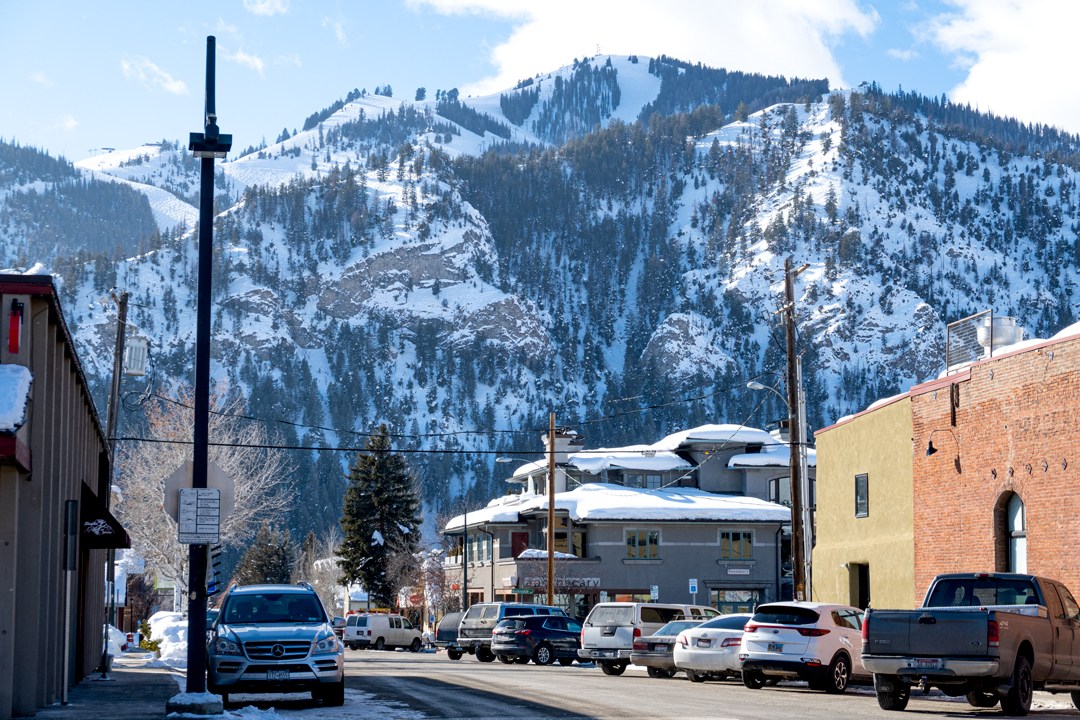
(238, 446)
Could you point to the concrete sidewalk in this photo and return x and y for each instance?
(133, 691)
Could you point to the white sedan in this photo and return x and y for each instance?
(711, 650)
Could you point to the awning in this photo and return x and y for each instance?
(98, 528)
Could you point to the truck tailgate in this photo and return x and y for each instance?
(930, 632)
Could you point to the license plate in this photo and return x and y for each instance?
(926, 663)
(704, 643)
(277, 675)
(775, 647)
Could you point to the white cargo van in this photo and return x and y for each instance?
(608, 633)
(381, 631)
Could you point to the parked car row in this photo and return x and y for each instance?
(816, 642)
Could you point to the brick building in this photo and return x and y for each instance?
(1007, 430)
(999, 491)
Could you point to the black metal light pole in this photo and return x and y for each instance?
(207, 146)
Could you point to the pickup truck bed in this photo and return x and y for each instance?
(987, 652)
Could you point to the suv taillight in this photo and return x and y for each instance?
(812, 632)
(750, 627)
(993, 636)
(524, 632)
(866, 626)
(637, 633)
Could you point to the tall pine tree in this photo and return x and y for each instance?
(269, 559)
(381, 519)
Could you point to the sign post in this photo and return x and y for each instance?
(693, 590)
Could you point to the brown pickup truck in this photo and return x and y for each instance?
(989, 637)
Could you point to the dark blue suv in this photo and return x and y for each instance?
(540, 638)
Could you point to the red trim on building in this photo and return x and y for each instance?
(14, 451)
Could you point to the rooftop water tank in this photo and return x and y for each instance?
(1000, 330)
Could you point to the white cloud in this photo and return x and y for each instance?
(339, 30)
(146, 72)
(902, 55)
(252, 62)
(42, 79)
(781, 37)
(67, 123)
(1016, 54)
(266, 7)
(289, 59)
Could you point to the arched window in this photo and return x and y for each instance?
(1016, 529)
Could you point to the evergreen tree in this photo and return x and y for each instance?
(381, 519)
(270, 559)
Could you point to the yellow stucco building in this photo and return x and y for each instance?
(864, 543)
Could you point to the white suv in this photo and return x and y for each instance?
(817, 642)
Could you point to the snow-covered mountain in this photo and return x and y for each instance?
(605, 241)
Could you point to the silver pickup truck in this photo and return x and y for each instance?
(989, 637)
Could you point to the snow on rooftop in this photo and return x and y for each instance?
(631, 457)
(778, 455)
(15, 382)
(603, 501)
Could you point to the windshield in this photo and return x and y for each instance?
(727, 622)
(978, 591)
(273, 607)
(785, 615)
(674, 628)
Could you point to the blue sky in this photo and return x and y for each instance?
(80, 76)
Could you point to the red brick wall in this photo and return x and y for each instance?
(1017, 427)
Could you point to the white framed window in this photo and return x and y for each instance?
(736, 545)
(642, 543)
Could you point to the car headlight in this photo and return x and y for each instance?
(327, 645)
(225, 646)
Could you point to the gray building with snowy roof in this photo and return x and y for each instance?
(637, 523)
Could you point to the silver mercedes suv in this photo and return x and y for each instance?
(275, 638)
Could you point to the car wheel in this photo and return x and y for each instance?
(415, 646)
(453, 654)
(892, 692)
(521, 660)
(695, 676)
(543, 654)
(1075, 694)
(484, 655)
(753, 679)
(505, 659)
(380, 644)
(566, 661)
(613, 668)
(333, 696)
(1018, 699)
(980, 699)
(839, 674)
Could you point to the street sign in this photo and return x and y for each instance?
(693, 586)
(654, 592)
(522, 591)
(199, 517)
(215, 478)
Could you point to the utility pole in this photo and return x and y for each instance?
(110, 436)
(206, 146)
(795, 437)
(551, 512)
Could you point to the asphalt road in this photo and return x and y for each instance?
(433, 686)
